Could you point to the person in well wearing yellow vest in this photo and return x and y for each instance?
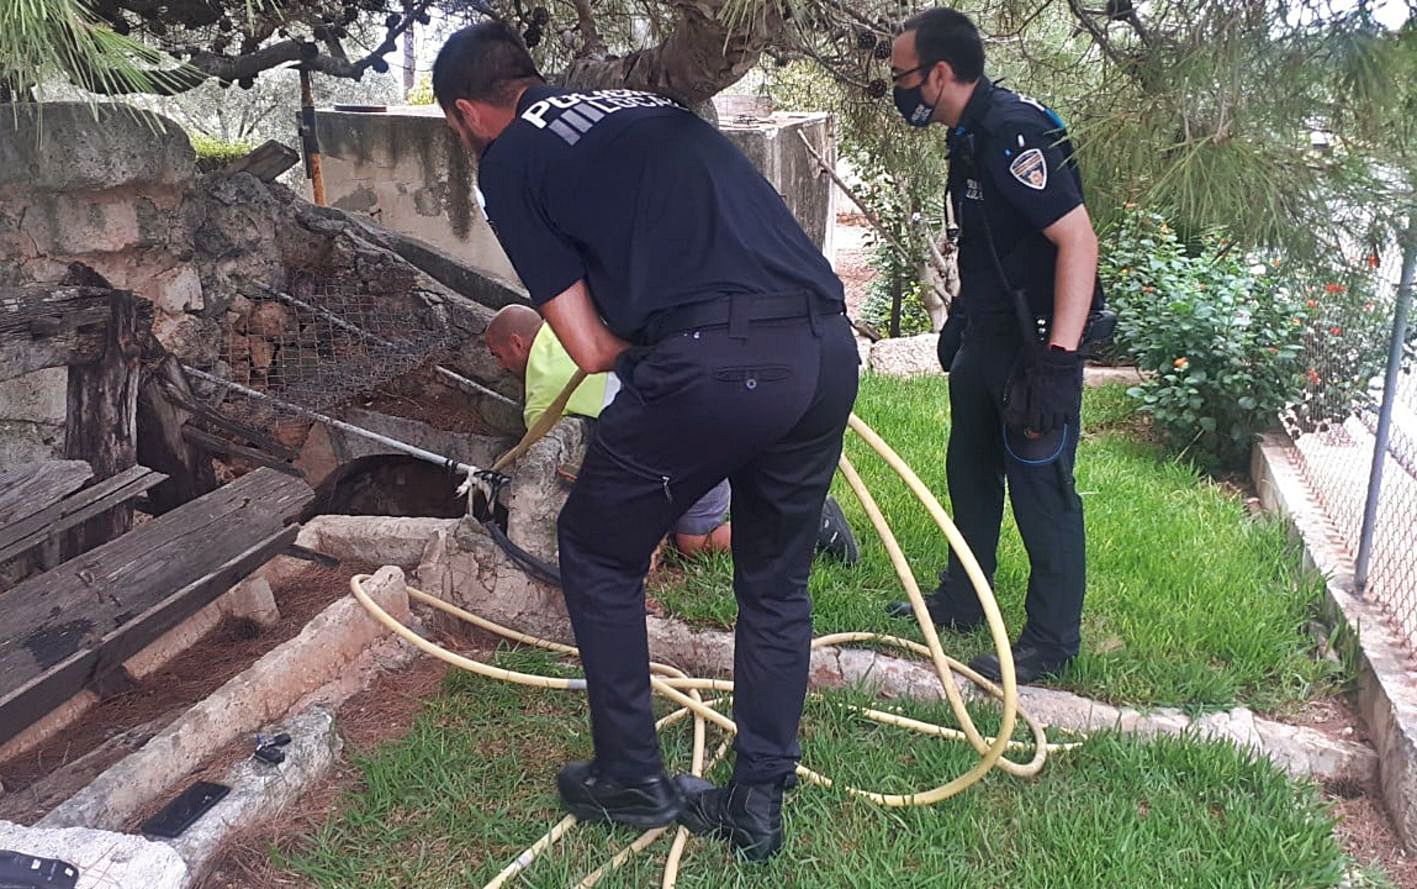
(524, 344)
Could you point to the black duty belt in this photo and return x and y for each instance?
(738, 311)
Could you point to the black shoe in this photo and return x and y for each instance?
(650, 802)
(749, 816)
(834, 538)
(947, 615)
(1030, 664)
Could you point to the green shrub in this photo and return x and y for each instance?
(422, 92)
(213, 153)
(876, 307)
(1220, 334)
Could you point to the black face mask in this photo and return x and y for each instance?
(912, 105)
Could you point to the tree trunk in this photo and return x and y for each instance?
(410, 62)
(701, 57)
(101, 425)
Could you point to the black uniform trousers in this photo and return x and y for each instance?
(1044, 496)
(765, 408)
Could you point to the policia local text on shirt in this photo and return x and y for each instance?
(727, 329)
(1027, 252)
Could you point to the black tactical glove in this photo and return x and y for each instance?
(1045, 390)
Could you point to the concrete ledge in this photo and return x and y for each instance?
(105, 860)
(259, 791)
(1387, 694)
(379, 539)
(324, 652)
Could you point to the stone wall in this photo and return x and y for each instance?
(406, 169)
(117, 189)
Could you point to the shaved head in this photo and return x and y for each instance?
(510, 334)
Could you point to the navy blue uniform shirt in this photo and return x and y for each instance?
(1023, 176)
(652, 206)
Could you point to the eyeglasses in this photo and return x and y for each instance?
(918, 68)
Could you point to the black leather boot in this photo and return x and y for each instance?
(650, 802)
(1031, 663)
(749, 816)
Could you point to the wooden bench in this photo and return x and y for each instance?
(68, 628)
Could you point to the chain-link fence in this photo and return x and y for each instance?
(318, 345)
(1361, 402)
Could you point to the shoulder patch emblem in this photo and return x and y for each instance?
(1031, 169)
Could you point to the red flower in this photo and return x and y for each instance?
(1331, 287)
(1313, 304)
(1313, 377)
(1336, 331)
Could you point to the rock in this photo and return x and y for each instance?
(1236, 725)
(262, 352)
(386, 540)
(536, 495)
(259, 790)
(1301, 750)
(252, 599)
(178, 290)
(270, 319)
(907, 356)
(192, 339)
(104, 860)
(291, 433)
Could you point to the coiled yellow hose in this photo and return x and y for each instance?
(687, 691)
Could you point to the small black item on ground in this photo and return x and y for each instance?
(182, 812)
(21, 871)
(268, 749)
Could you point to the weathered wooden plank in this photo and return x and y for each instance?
(218, 445)
(53, 618)
(77, 507)
(31, 487)
(50, 326)
(50, 686)
(101, 422)
(161, 444)
(266, 162)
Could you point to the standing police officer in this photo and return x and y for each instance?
(1028, 264)
(653, 247)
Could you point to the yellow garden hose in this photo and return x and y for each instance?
(687, 691)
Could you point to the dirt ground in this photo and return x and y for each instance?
(227, 650)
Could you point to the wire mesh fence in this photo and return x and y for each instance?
(1344, 415)
(318, 345)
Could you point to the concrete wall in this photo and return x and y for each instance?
(774, 145)
(406, 169)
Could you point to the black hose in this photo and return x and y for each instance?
(535, 568)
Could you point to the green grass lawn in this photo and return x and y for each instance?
(472, 784)
(1190, 602)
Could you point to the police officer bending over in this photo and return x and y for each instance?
(654, 248)
(1027, 252)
